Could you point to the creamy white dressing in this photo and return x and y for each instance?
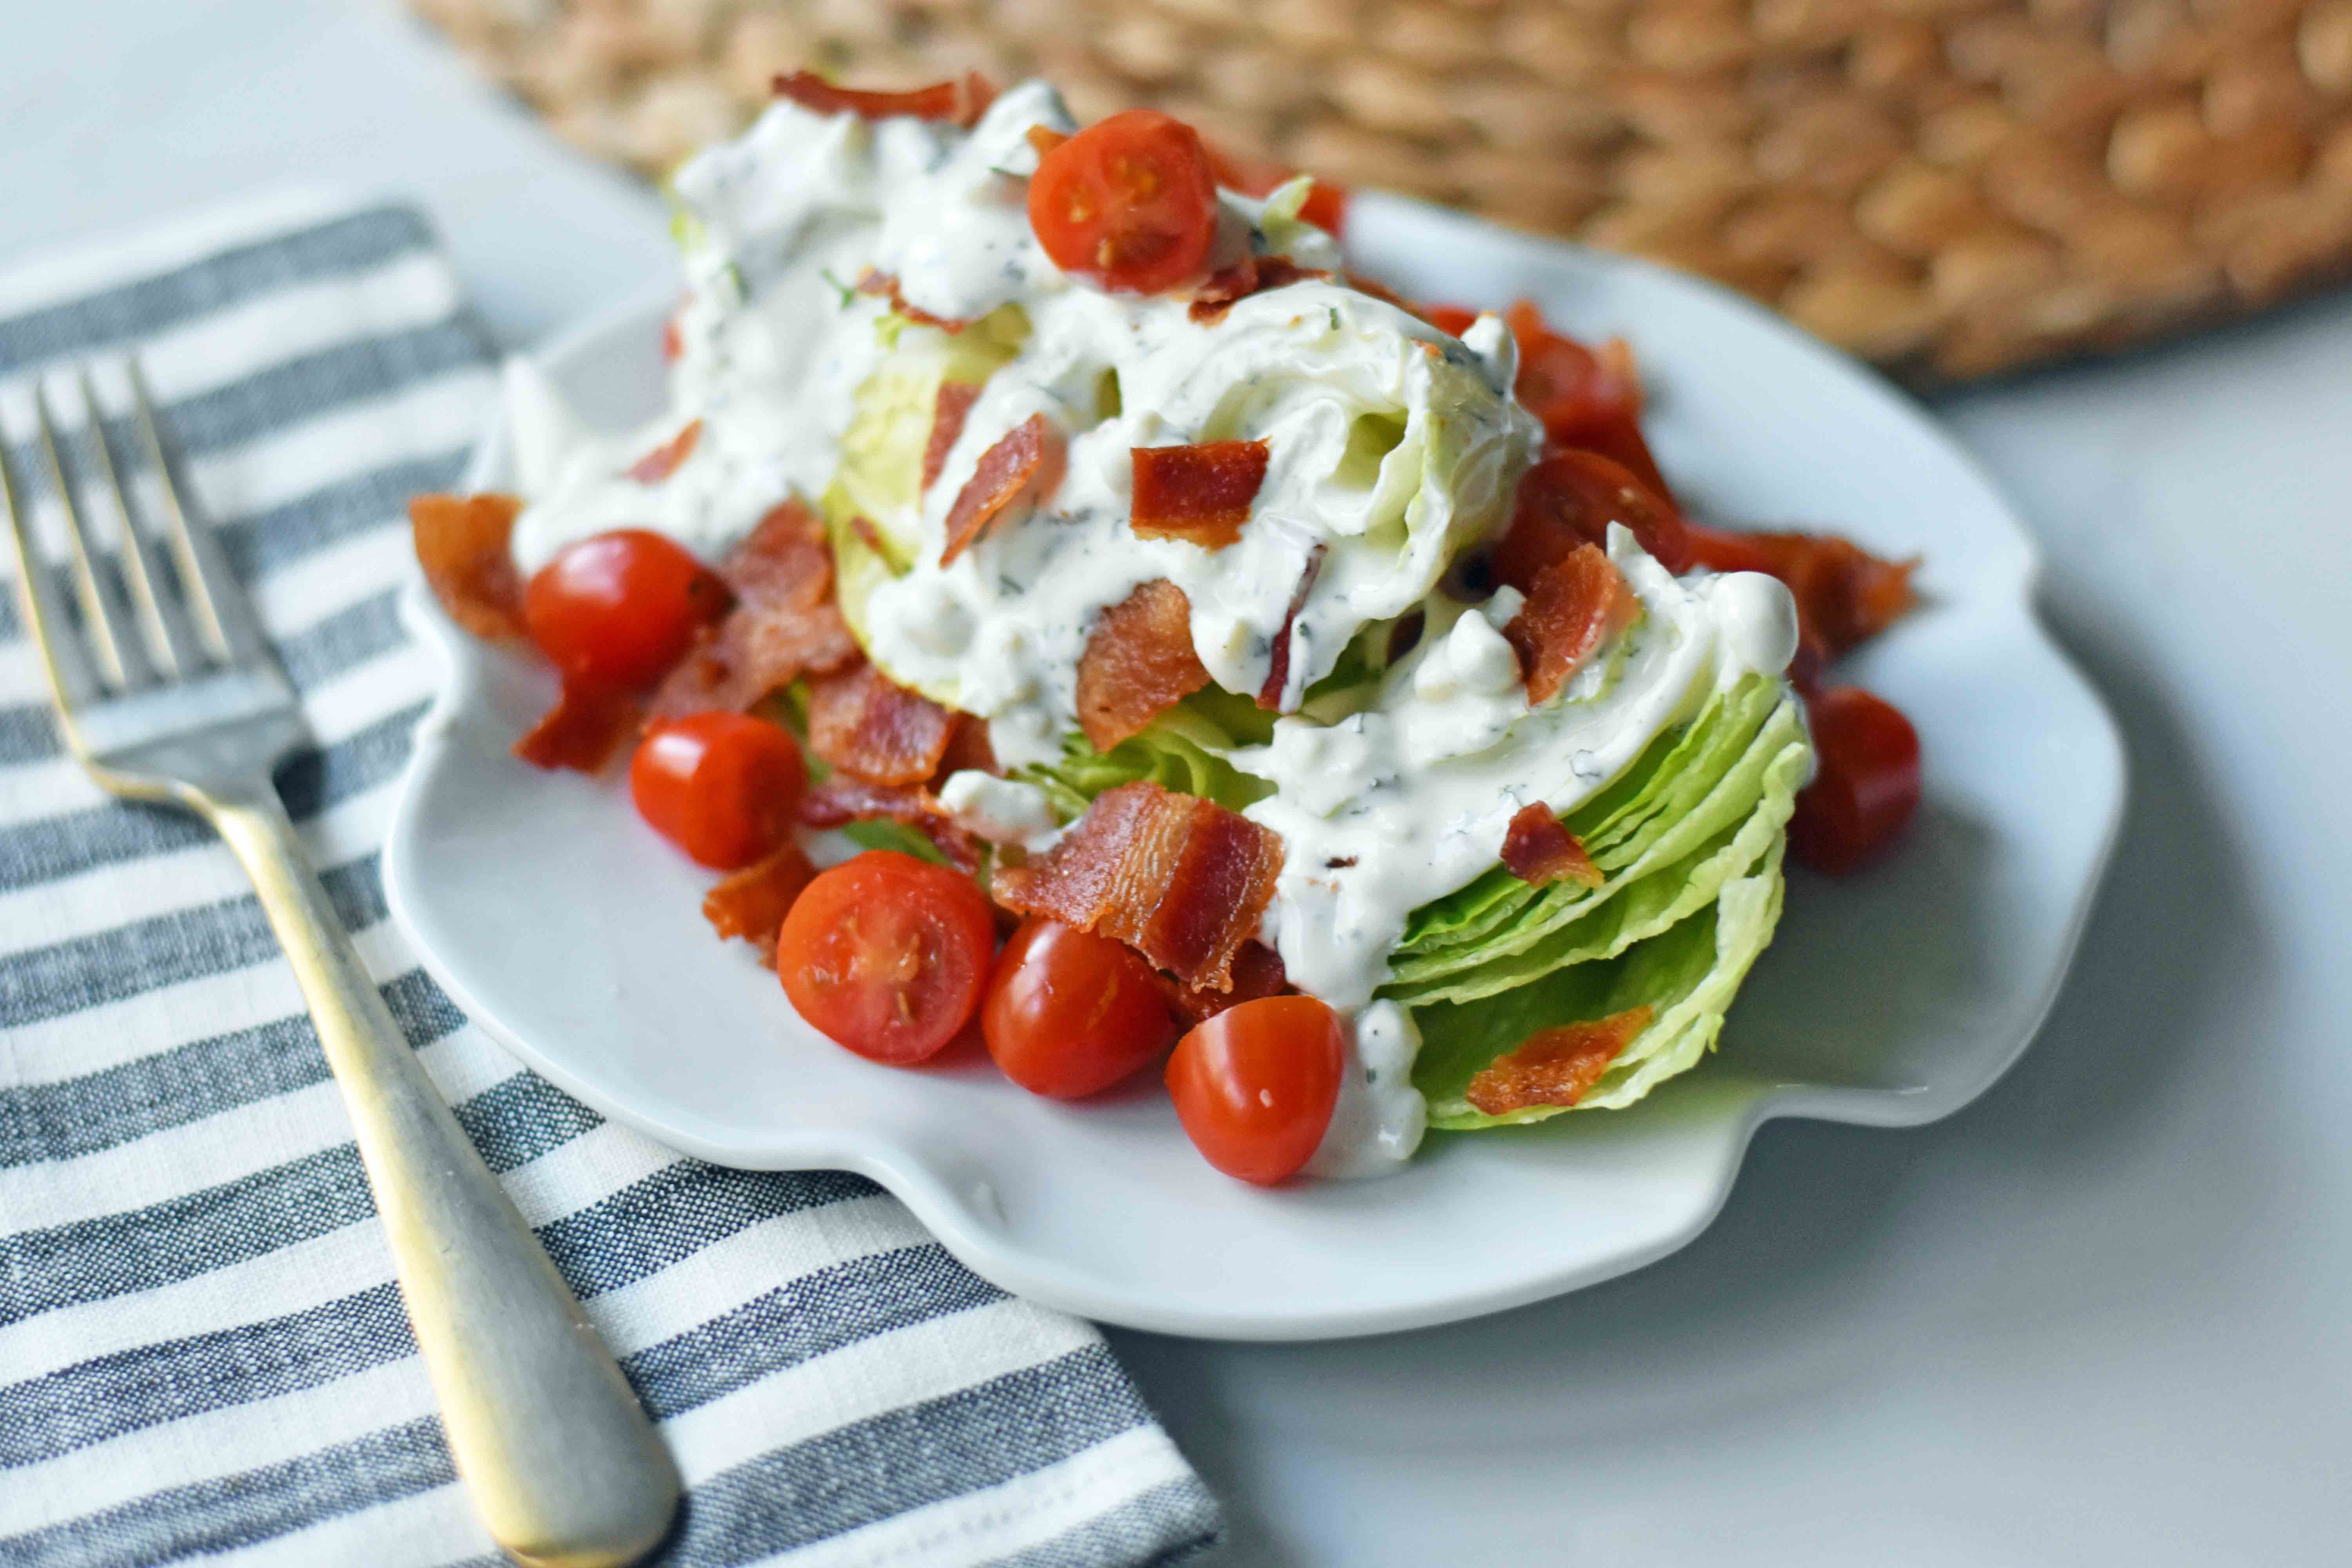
(1391, 446)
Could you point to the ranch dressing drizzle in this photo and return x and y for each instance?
(1391, 446)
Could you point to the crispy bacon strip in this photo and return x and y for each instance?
(751, 903)
(1181, 880)
(841, 800)
(586, 728)
(1250, 274)
(1555, 1067)
(867, 725)
(1844, 595)
(784, 622)
(462, 545)
(1277, 674)
(1577, 605)
(968, 748)
(1027, 459)
(947, 412)
(963, 101)
(1539, 850)
(1200, 493)
(1257, 974)
(884, 285)
(663, 460)
(1139, 662)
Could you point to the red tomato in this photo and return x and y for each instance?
(1255, 1085)
(1571, 498)
(1130, 203)
(887, 955)
(1455, 320)
(1589, 399)
(1868, 786)
(620, 608)
(1069, 1014)
(1325, 207)
(720, 786)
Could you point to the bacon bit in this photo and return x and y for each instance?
(1250, 274)
(865, 724)
(461, 544)
(663, 460)
(586, 728)
(1555, 1067)
(751, 903)
(1181, 880)
(1451, 320)
(1027, 457)
(1587, 399)
(1139, 662)
(1044, 137)
(1571, 497)
(947, 412)
(1277, 674)
(884, 285)
(784, 622)
(1200, 493)
(968, 750)
(963, 101)
(1257, 974)
(868, 535)
(841, 800)
(672, 344)
(1540, 850)
(1844, 595)
(1575, 607)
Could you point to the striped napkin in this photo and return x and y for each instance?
(201, 1353)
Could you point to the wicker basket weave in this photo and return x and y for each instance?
(1951, 188)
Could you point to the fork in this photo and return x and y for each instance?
(173, 698)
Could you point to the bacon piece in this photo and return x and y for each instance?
(1568, 497)
(867, 725)
(963, 99)
(1451, 320)
(1257, 974)
(1576, 605)
(1844, 595)
(884, 285)
(1181, 880)
(1277, 674)
(751, 903)
(586, 728)
(968, 748)
(841, 800)
(784, 622)
(1200, 493)
(947, 411)
(1250, 274)
(1044, 138)
(462, 545)
(663, 460)
(1025, 459)
(1539, 850)
(1139, 662)
(1555, 1067)
(1585, 398)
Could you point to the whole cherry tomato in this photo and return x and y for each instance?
(1069, 1014)
(1868, 786)
(721, 786)
(620, 608)
(1130, 202)
(1255, 1085)
(887, 955)
(1571, 498)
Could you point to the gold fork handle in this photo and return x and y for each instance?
(559, 1456)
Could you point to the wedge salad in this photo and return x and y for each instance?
(1324, 685)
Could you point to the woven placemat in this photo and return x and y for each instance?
(1949, 187)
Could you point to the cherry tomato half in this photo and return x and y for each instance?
(887, 955)
(1868, 786)
(1571, 498)
(1130, 203)
(1254, 1086)
(1069, 1014)
(720, 786)
(620, 608)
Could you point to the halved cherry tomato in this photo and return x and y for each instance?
(1255, 1085)
(1571, 498)
(1868, 786)
(721, 786)
(1130, 203)
(1069, 1014)
(887, 955)
(620, 608)
(1453, 320)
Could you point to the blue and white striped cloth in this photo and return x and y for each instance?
(201, 1353)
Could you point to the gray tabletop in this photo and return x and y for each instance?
(2099, 1317)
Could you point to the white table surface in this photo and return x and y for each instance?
(2104, 1316)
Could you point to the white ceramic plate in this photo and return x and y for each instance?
(575, 937)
